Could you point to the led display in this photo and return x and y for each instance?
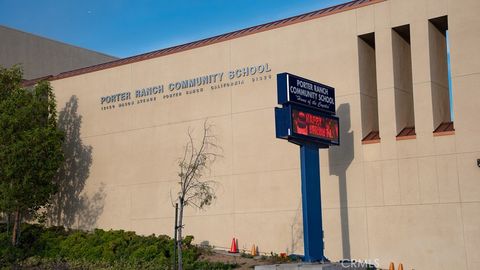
(314, 125)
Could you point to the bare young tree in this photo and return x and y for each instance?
(195, 190)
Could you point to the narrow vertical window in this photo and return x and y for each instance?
(440, 76)
(368, 88)
(403, 83)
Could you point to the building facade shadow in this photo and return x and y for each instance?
(340, 158)
(71, 206)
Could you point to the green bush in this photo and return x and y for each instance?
(47, 248)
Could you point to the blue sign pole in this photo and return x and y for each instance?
(311, 203)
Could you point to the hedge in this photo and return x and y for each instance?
(55, 247)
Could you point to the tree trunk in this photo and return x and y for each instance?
(9, 216)
(16, 227)
(58, 209)
(179, 240)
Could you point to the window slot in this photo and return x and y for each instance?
(403, 83)
(440, 76)
(368, 88)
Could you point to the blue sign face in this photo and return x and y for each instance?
(297, 90)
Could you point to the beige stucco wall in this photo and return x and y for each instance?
(413, 201)
(41, 57)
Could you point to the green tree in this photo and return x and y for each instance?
(30, 147)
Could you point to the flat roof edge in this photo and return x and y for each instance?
(216, 39)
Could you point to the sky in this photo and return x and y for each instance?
(124, 28)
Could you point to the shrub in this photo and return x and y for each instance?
(54, 247)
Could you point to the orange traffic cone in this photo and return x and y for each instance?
(233, 247)
(392, 266)
(254, 251)
(400, 267)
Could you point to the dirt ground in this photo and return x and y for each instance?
(242, 261)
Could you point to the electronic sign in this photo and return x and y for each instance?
(299, 124)
(307, 118)
(300, 91)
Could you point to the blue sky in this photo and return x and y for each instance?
(124, 27)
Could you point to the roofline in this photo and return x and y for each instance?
(216, 39)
